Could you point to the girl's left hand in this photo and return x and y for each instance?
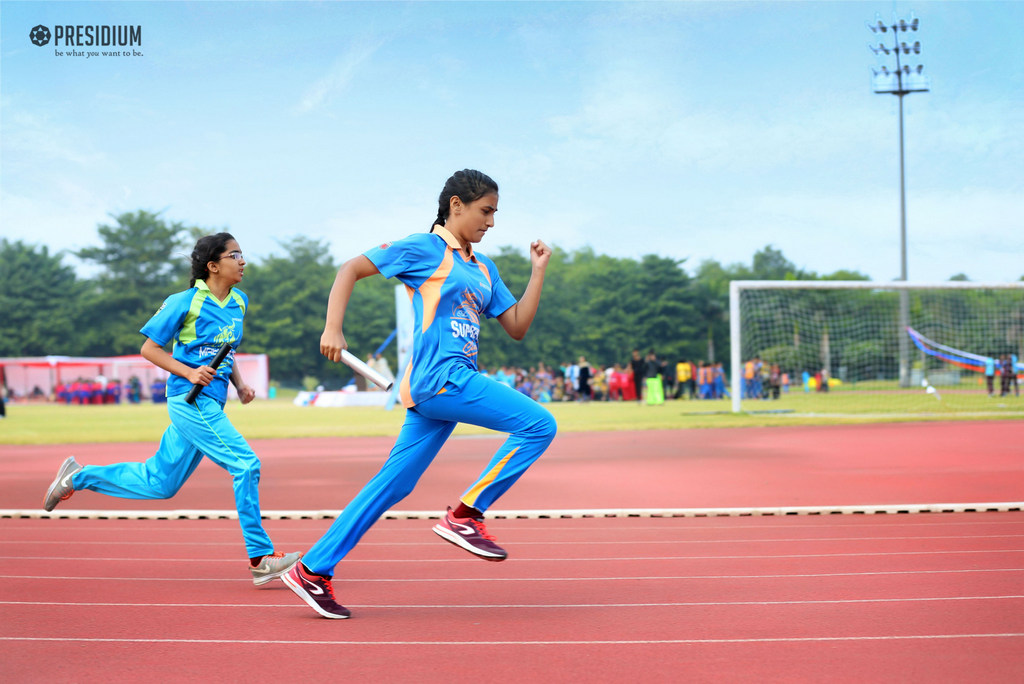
(540, 253)
(245, 393)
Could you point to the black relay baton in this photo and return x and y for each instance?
(218, 358)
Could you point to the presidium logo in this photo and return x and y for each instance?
(40, 35)
(106, 41)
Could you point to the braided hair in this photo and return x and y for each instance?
(207, 249)
(468, 185)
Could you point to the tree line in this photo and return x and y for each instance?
(596, 305)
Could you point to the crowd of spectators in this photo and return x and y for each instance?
(634, 380)
(102, 391)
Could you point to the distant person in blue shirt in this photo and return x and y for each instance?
(990, 375)
(198, 321)
(452, 286)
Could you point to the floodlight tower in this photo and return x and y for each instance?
(899, 82)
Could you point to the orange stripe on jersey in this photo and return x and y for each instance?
(430, 290)
(487, 479)
(430, 296)
(405, 389)
(486, 273)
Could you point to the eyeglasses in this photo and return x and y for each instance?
(237, 256)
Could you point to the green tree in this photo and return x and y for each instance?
(770, 264)
(38, 297)
(143, 259)
(597, 306)
(288, 304)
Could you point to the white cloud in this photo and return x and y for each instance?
(341, 73)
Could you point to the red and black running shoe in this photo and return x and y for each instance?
(316, 591)
(471, 534)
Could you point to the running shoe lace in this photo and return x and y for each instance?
(323, 582)
(482, 530)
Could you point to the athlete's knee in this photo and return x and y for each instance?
(543, 427)
(247, 469)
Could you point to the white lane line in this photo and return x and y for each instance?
(769, 510)
(567, 642)
(445, 606)
(528, 525)
(871, 554)
(534, 579)
(562, 542)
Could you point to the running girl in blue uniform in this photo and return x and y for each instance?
(198, 320)
(451, 286)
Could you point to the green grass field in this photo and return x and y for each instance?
(280, 418)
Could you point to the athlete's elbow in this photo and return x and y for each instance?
(516, 334)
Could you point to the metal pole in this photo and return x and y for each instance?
(735, 353)
(904, 339)
(912, 86)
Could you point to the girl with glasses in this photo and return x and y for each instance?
(198, 321)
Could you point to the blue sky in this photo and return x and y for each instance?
(695, 130)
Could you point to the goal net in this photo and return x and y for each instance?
(864, 347)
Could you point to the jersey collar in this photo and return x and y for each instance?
(447, 236)
(201, 285)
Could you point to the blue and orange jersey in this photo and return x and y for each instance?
(450, 292)
(198, 323)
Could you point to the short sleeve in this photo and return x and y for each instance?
(411, 259)
(168, 319)
(501, 298)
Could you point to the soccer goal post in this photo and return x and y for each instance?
(868, 347)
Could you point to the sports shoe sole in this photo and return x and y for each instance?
(301, 593)
(456, 539)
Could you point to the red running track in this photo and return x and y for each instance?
(784, 466)
(837, 598)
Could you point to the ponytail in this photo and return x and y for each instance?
(442, 216)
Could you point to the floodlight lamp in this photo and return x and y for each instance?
(903, 25)
(913, 24)
(920, 68)
(917, 48)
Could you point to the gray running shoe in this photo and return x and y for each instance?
(61, 489)
(273, 566)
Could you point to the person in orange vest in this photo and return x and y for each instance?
(749, 369)
(702, 380)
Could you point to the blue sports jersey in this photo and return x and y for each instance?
(199, 324)
(449, 292)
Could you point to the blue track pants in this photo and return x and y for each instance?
(467, 397)
(196, 430)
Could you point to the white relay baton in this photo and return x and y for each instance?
(353, 362)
